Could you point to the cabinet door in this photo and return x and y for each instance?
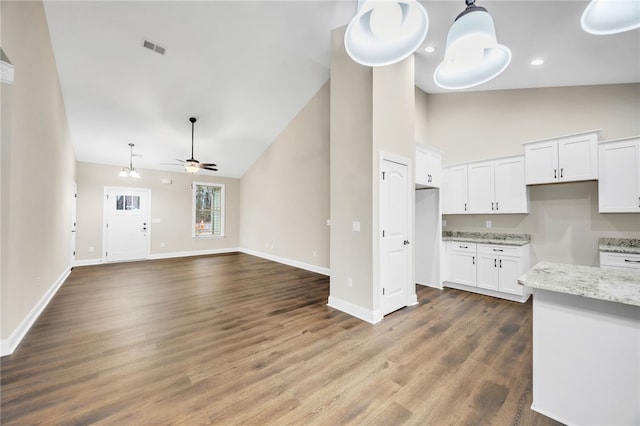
(481, 194)
(509, 269)
(619, 181)
(463, 268)
(511, 193)
(541, 160)
(457, 187)
(434, 169)
(578, 158)
(487, 271)
(422, 166)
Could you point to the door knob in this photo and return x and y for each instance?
(406, 242)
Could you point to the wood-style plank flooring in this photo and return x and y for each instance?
(236, 339)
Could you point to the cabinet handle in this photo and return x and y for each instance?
(555, 173)
(495, 263)
(632, 261)
(496, 206)
(561, 172)
(498, 250)
(501, 263)
(465, 207)
(491, 206)
(638, 201)
(473, 259)
(463, 246)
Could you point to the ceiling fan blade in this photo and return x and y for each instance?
(209, 168)
(209, 164)
(177, 159)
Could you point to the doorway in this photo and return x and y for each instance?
(126, 224)
(395, 223)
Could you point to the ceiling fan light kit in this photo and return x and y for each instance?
(384, 32)
(602, 17)
(130, 171)
(473, 55)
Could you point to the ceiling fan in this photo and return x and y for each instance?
(192, 165)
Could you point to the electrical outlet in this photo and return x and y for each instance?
(315, 254)
(488, 224)
(161, 244)
(350, 282)
(92, 249)
(356, 226)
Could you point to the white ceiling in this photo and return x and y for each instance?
(246, 68)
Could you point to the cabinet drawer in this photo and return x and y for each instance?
(620, 260)
(499, 250)
(462, 246)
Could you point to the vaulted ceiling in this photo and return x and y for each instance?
(246, 68)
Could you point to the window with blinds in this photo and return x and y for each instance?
(208, 210)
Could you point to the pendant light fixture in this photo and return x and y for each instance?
(603, 17)
(130, 171)
(384, 32)
(473, 55)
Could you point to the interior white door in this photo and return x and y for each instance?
(394, 244)
(126, 231)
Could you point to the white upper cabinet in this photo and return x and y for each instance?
(619, 182)
(481, 187)
(511, 192)
(428, 167)
(497, 186)
(564, 159)
(455, 192)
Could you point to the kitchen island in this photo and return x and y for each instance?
(586, 343)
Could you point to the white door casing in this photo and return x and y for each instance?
(395, 255)
(74, 219)
(126, 231)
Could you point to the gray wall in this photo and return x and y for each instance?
(564, 222)
(38, 167)
(169, 203)
(284, 196)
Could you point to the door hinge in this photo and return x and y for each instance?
(107, 225)
(383, 291)
(383, 233)
(74, 252)
(106, 253)
(107, 196)
(383, 175)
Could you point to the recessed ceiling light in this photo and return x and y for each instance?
(429, 49)
(537, 62)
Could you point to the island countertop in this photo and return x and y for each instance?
(604, 284)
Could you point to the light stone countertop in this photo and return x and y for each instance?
(487, 238)
(605, 284)
(620, 245)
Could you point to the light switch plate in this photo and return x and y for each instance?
(356, 226)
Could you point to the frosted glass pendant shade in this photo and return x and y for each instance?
(611, 16)
(384, 32)
(473, 55)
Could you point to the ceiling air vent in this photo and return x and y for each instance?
(153, 46)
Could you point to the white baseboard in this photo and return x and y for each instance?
(488, 292)
(290, 262)
(439, 287)
(413, 300)
(192, 253)
(359, 312)
(9, 345)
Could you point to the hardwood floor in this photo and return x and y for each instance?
(235, 339)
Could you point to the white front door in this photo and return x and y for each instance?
(394, 243)
(126, 230)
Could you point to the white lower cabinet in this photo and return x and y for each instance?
(488, 269)
(624, 261)
(463, 263)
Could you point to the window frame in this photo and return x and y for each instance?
(194, 187)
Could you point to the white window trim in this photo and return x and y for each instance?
(193, 211)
